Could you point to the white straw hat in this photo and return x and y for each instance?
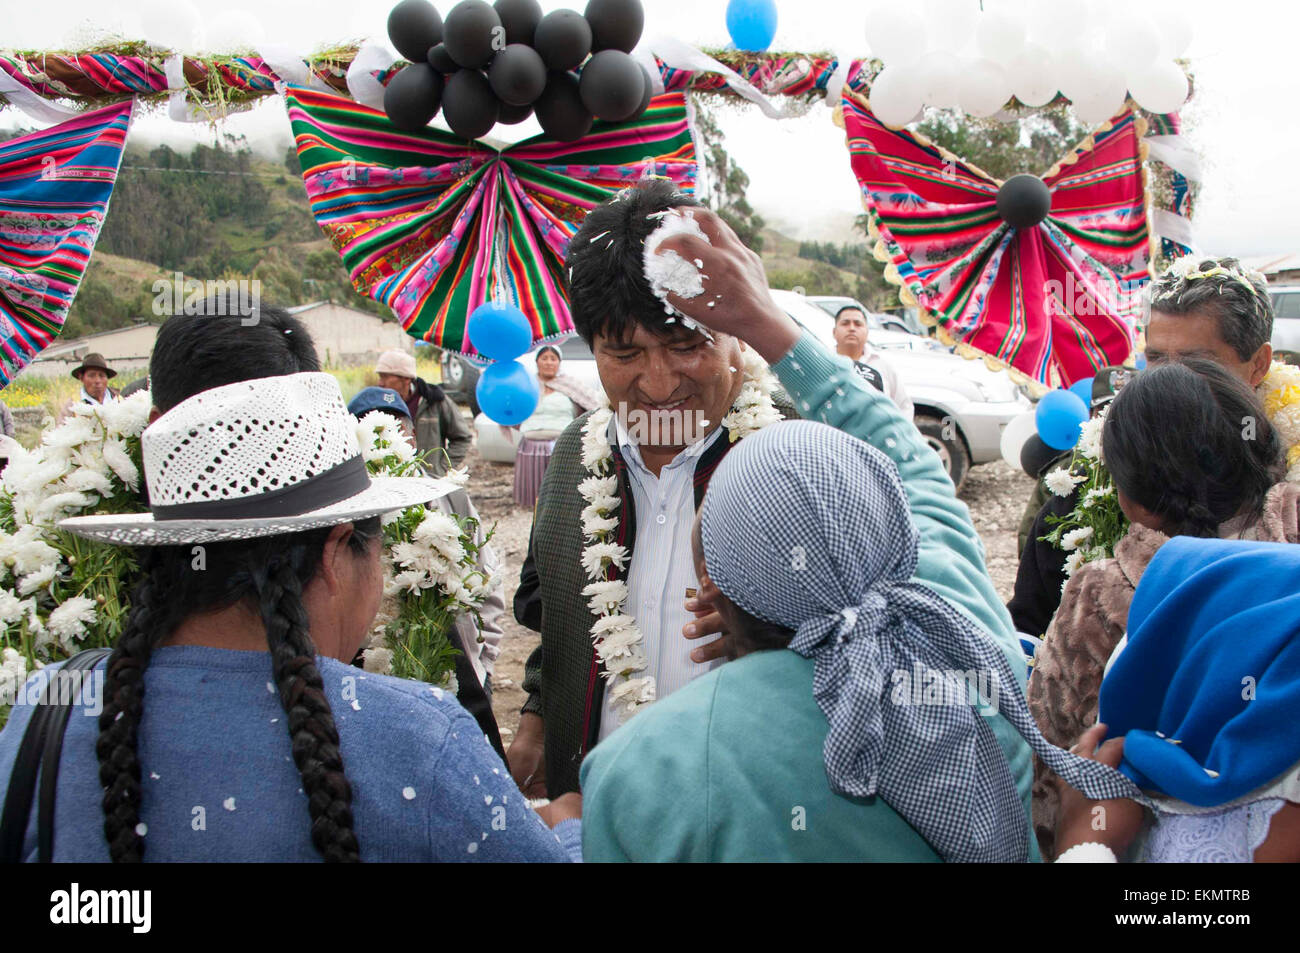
(261, 457)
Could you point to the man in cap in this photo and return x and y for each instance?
(438, 422)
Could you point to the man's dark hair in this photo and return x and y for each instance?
(1190, 442)
(1238, 301)
(849, 307)
(197, 352)
(608, 291)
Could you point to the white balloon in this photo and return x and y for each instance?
(896, 35)
(999, 37)
(1016, 435)
(233, 30)
(1132, 41)
(1160, 88)
(1059, 24)
(950, 24)
(985, 90)
(1175, 27)
(896, 95)
(1102, 98)
(1033, 76)
(943, 79)
(1074, 72)
(174, 24)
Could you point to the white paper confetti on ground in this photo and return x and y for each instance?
(408, 793)
(228, 804)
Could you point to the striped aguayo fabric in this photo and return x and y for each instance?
(415, 215)
(54, 192)
(1056, 302)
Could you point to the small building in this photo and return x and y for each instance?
(344, 337)
(1276, 269)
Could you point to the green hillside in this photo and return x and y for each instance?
(217, 213)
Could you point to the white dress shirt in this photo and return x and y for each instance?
(662, 568)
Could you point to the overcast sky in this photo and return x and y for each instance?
(1243, 119)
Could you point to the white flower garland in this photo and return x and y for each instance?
(618, 639)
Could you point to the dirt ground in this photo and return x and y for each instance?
(995, 493)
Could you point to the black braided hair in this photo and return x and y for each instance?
(1190, 442)
(268, 575)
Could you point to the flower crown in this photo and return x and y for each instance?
(1192, 268)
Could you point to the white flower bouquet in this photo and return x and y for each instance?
(1096, 524)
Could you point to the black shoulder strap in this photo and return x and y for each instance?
(39, 752)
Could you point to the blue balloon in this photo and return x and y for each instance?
(507, 393)
(1084, 389)
(752, 24)
(1140, 362)
(1059, 416)
(500, 331)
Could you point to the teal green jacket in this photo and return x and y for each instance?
(730, 768)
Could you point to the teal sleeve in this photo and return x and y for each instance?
(645, 789)
(951, 554)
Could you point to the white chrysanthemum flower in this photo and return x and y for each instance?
(1062, 482)
(38, 580)
(118, 459)
(380, 436)
(27, 552)
(415, 556)
(437, 528)
(604, 596)
(88, 480)
(77, 429)
(127, 417)
(56, 506)
(13, 673)
(459, 477)
(620, 645)
(34, 621)
(68, 621)
(597, 556)
(1071, 540)
(597, 488)
(631, 694)
(1089, 443)
(1073, 562)
(412, 580)
(594, 527)
(595, 440)
(11, 609)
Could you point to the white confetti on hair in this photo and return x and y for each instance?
(596, 238)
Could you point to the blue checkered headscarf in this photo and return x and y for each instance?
(810, 529)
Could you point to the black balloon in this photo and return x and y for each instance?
(564, 39)
(414, 26)
(1024, 201)
(517, 75)
(612, 85)
(412, 96)
(468, 104)
(615, 24)
(472, 33)
(520, 18)
(441, 60)
(511, 115)
(646, 97)
(560, 110)
(1035, 456)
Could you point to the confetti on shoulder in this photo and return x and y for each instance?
(408, 793)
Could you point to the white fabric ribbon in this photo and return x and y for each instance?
(1174, 227)
(679, 55)
(42, 110)
(835, 85)
(291, 67)
(646, 57)
(362, 84)
(1174, 152)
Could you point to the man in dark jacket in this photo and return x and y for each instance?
(439, 425)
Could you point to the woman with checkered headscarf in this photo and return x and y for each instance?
(870, 713)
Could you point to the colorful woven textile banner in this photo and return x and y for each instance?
(1053, 303)
(54, 192)
(433, 227)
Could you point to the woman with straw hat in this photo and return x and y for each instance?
(232, 726)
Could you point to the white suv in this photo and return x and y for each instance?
(1286, 322)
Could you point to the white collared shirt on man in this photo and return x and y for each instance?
(662, 568)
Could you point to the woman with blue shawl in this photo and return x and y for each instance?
(1205, 693)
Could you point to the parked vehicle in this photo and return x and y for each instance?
(1286, 322)
(961, 407)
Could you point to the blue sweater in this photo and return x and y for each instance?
(219, 783)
